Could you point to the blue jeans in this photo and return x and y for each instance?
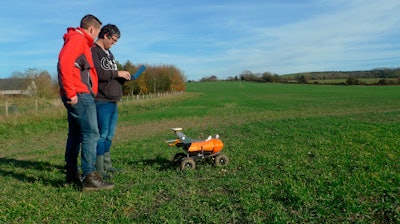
(83, 133)
(107, 115)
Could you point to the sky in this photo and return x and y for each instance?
(212, 37)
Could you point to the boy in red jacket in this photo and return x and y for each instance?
(78, 80)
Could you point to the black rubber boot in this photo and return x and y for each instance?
(107, 164)
(100, 167)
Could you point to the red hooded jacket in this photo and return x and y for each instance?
(76, 71)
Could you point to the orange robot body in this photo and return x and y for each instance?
(194, 150)
(213, 145)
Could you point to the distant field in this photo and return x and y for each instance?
(298, 154)
(362, 80)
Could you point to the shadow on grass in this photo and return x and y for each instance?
(32, 171)
(161, 164)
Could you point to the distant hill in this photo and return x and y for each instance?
(375, 73)
(378, 76)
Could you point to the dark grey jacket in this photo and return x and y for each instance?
(110, 86)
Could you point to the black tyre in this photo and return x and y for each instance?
(221, 160)
(178, 157)
(188, 164)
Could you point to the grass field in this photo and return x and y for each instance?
(298, 154)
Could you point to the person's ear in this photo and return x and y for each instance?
(91, 29)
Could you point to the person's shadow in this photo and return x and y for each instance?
(22, 169)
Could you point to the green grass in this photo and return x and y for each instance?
(298, 154)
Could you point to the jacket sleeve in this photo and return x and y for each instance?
(69, 73)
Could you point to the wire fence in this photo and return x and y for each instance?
(10, 106)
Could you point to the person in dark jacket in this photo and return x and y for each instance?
(110, 82)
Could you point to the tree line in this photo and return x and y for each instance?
(384, 76)
(155, 79)
(168, 78)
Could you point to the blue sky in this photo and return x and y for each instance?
(213, 37)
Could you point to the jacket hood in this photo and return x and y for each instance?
(72, 32)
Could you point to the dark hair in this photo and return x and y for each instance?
(90, 20)
(109, 30)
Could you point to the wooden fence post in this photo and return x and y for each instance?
(6, 108)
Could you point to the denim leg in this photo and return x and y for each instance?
(73, 145)
(107, 115)
(82, 120)
(90, 133)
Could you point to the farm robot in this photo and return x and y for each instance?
(195, 150)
